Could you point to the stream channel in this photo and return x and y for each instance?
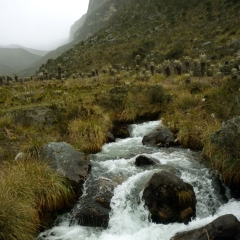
(129, 219)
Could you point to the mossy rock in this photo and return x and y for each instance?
(169, 199)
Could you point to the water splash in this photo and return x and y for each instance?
(129, 219)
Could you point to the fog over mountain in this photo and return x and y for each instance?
(42, 25)
(34, 51)
(99, 14)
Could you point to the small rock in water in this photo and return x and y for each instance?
(143, 160)
(161, 137)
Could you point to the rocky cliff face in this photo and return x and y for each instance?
(76, 26)
(99, 14)
(93, 12)
(95, 4)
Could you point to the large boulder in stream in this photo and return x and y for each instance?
(169, 199)
(93, 208)
(226, 227)
(72, 164)
(161, 137)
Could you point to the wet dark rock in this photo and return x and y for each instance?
(161, 137)
(169, 199)
(93, 207)
(68, 162)
(120, 131)
(143, 161)
(219, 186)
(110, 137)
(223, 228)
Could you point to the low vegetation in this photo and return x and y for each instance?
(31, 193)
(166, 60)
(82, 111)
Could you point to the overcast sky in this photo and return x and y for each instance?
(38, 24)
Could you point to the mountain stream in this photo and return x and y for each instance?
(129, 219)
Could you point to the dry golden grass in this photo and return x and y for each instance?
(226, 161)
(30, 190)
(193, 129)
(192, 110)
(88, 133)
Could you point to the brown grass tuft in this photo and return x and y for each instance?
(30, 190)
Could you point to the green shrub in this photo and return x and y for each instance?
(155, 93)
(118, 96)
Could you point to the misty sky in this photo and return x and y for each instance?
(38, 24)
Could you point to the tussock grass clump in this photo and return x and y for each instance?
(186, 101)
(30, 190)
(89, 133)
(129, 114)
(192, 130)
(35, 138)
(221, 160)
(156, 94)
(188, 118)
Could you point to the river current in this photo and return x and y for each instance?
(129, 219)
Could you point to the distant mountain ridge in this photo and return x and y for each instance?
(31, 50)
(32, 68)
(12, 60)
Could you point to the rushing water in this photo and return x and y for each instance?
(129, 219)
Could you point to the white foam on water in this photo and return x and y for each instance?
(139, 130)
(129, 219)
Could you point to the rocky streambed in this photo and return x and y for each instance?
(138, 191)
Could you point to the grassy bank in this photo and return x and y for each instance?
(82, 112)
(31, 193)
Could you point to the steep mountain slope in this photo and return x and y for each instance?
(17, 59)
(155, 30)
(100, 13)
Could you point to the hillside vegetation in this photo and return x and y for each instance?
(177, 61)
(157, 31)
